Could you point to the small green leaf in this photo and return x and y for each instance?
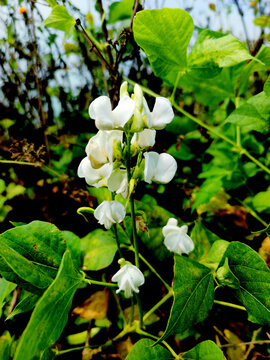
(144, 350)
(216, 253)
(51, 312)
(74, 246)
(181, 153)
(60, 19)
(99, 248)
(120, 10)
(261, 201)
(52, 3)
(164, 35)
(262, 21)
(253, 115)
(206, 350)
(208, 189)
(212, 51)
(193, 290)
(6, 288)
(226, 277)
(27, 302)
(254, 277)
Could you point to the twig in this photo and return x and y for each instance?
(240, 11)
(135, 9)
(105, 30)
(246, 343)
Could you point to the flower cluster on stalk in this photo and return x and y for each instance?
(117, 157)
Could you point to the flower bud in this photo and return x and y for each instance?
(176, 238)
(123, 89)
(129, 278)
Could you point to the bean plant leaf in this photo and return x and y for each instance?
(74, 246)
(120, 10)
(253, 115)
(261, 201)
(193, 290)
(254, 277)
(6, 288)
(206, 350)
(51, 312)
(212, 51)
(262, 21)
(31, 254)
(99, 248)
(26, 304)
(164, 35)
(144, 350)
(60, 19)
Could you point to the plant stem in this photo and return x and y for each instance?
(95, 282)
(154, 271)
(141, 332)
(155, 307)
(212, 130)
(140, 309)
(132, 311)
(230, 305)
(134, 232)
(117, 241)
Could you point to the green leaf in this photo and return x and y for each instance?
(261, 201)
(120, 10)
(51, 312)
(27, 302)
(6, 288)
(74, 246)
(208, 189)
(212, 51)
(193, 290)
(253, 115)
(252, 272)
(144, 350)
(5, 345)
(181, 153)
(266, 87)
(262, 21)
(164, 35)
(60, 19)
(206, 350)
(216, 253)
(31, 254)
(52, 3)
(99, 248)
(226, 277)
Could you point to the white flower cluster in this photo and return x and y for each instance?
(124, 132)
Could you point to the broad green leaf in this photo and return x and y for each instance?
(262, 21)
(164, 35)
(99, 248)
(30, 255)
(193, 290)
(254, 276)
(60, 19)
(51, 312)
(212, 51)
(253, 115)
(74, 246)
(266, 87)
(120, 10)
(216, 253)
(52, 3)
(206, 350)
(6, 288)
(182, 152)
(26, 303)
(226, 277)
(5, 345)
(144, 350)
(261, 201)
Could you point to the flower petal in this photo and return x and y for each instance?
(146, 138)
(166, 169)
(123, 112)
(162, 113)
(170, 226)
(151, 160)
(101, 111)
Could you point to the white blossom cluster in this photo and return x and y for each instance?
(125, 132)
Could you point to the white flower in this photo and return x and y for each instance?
(161, 115)
(176, 238)
(107, 119)
(110, 212)
(144, 138)
(129, 278)
(100, 147)
(159, 168)
(95, 177)
(118, 182)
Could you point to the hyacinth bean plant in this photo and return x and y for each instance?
(166, 282)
